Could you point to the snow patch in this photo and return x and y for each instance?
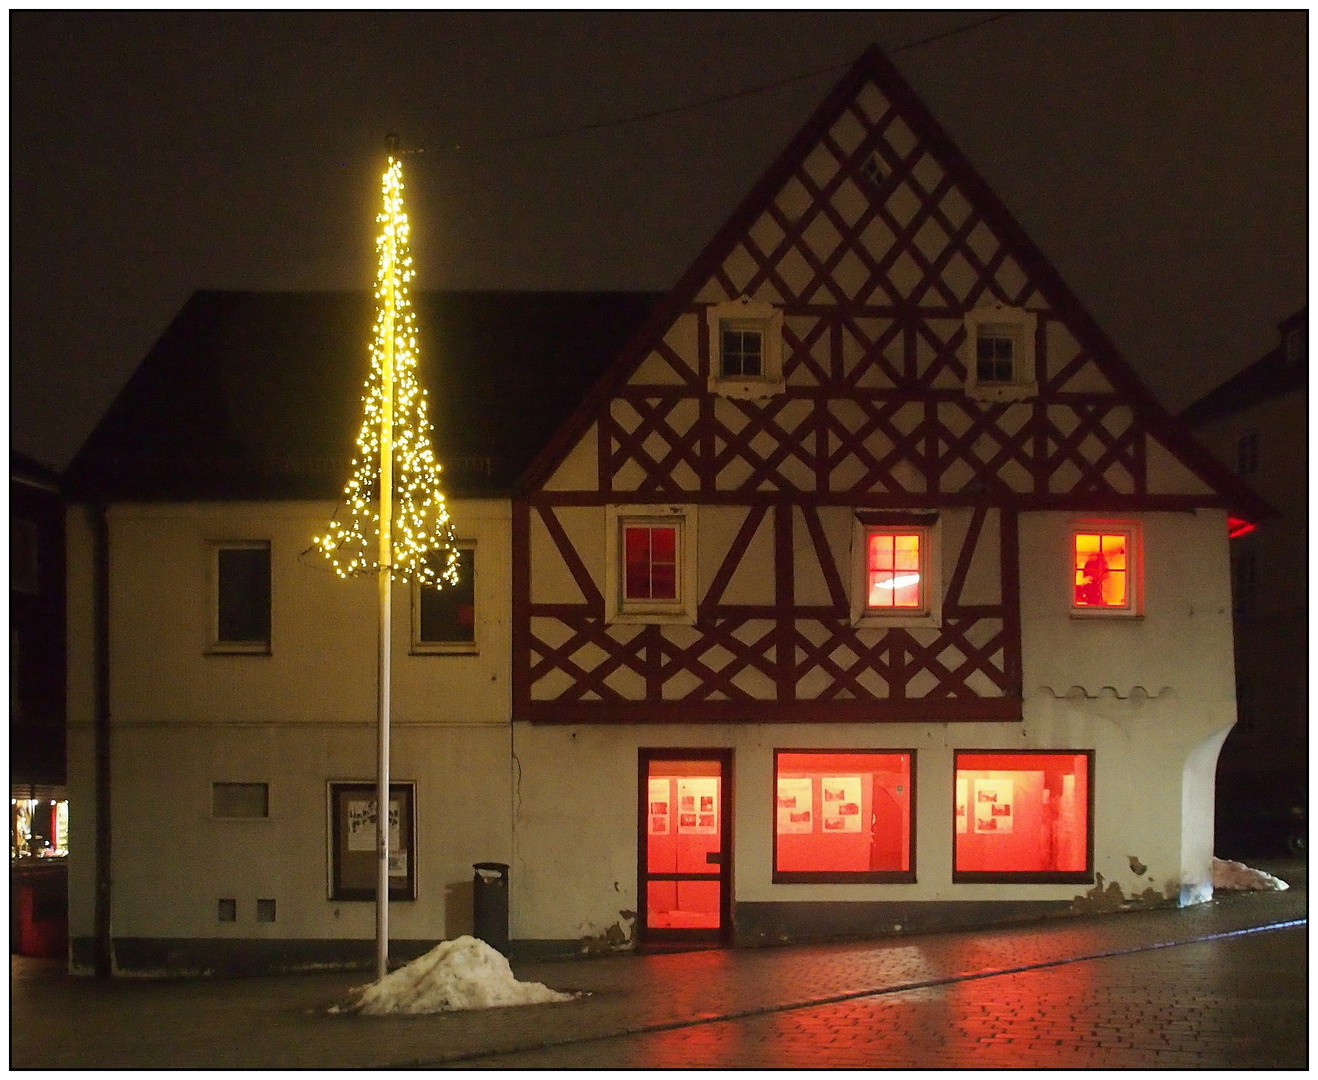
(1231, 876)
(464, 973)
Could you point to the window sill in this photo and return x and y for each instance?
(875, 621)
(1083, 614)
(859, 877)
(1000, 392)
(239, 648)
(435, 648)
(669, 618)
(746, 389)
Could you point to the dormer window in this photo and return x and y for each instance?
(999, 353)
(745, 349)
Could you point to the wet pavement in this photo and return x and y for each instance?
(1220, 985)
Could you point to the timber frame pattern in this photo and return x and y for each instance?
(874, 238)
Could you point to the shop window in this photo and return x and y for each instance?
(39, 828)
(843, 816)
(895, 578)
(745, 349)
(444, 619)
(1023, 816)
(241, 574)
(998, 353)
(651, 564)
(244, 800)
(1105, 569)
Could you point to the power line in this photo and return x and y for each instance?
(654, 114)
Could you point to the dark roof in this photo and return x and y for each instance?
(1271, 376)
(25, 469)
(258, 395)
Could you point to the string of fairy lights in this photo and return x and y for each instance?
(393, 399)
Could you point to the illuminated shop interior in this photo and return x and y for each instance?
(39, 828)
(842, 814)
(1022, 813)
(683, 830)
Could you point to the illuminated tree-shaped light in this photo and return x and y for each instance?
(394, 513)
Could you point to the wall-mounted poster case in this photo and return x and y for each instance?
(841, 799)
(353, 864)
(795, 805)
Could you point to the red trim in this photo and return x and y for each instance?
(912, 710)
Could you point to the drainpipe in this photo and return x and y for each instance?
(101, 677)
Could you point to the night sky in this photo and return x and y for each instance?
(1158, 159)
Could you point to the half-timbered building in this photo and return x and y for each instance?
(854, 586)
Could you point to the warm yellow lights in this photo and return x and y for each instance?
(394, 452)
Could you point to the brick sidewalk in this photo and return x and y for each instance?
(281, 1022)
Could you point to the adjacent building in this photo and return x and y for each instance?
(1257, 424)
(855, 585)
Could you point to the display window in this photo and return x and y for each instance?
(650, 561)
(39, 828)
(1104, 565)
(1023, 816)
(843, 816)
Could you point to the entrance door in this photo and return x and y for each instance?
(685, 851)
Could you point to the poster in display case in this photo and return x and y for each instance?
(795, 804)
(993, 809)
(353, 866)
(660, 812)
(697, 805)
(841, 799)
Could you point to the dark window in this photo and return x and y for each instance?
(447, 616)
(1244, 582)
(1247, 454)
(995, 358)
(243, 595)
(265, 911)
(23, 556)
(742, 353)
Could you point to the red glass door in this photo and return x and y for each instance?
(685, 855)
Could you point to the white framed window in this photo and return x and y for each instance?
(240, 596)
(1106, 569)
(896, 569)
(745, 349)
(651, 564)
(998, 353)
(444, 619)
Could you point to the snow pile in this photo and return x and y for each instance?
(1231, 876)
(465, 973)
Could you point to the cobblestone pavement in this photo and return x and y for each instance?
(1139, 989)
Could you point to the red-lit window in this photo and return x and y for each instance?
(843, 815)
(650, 562)
(1024, 816)
(1104, 566)
(894, 570)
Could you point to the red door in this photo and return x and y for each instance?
(685, 856)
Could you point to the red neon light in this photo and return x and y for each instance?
(1238, 527)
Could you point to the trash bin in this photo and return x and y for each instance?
(489, 889)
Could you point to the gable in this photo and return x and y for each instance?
(874, 240)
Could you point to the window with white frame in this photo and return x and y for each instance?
(895, 575)
(1105, 568)
(999, 353)
(651, 564)
(240, 574)
(444, 618)
(745, 349)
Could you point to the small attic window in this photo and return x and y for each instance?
(745, 349)
(998, 353)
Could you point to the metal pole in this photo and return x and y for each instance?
(385, 584)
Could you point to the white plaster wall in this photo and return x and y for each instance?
(295, 719)
(167, 844)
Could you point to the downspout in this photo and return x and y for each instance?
(104, 953)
